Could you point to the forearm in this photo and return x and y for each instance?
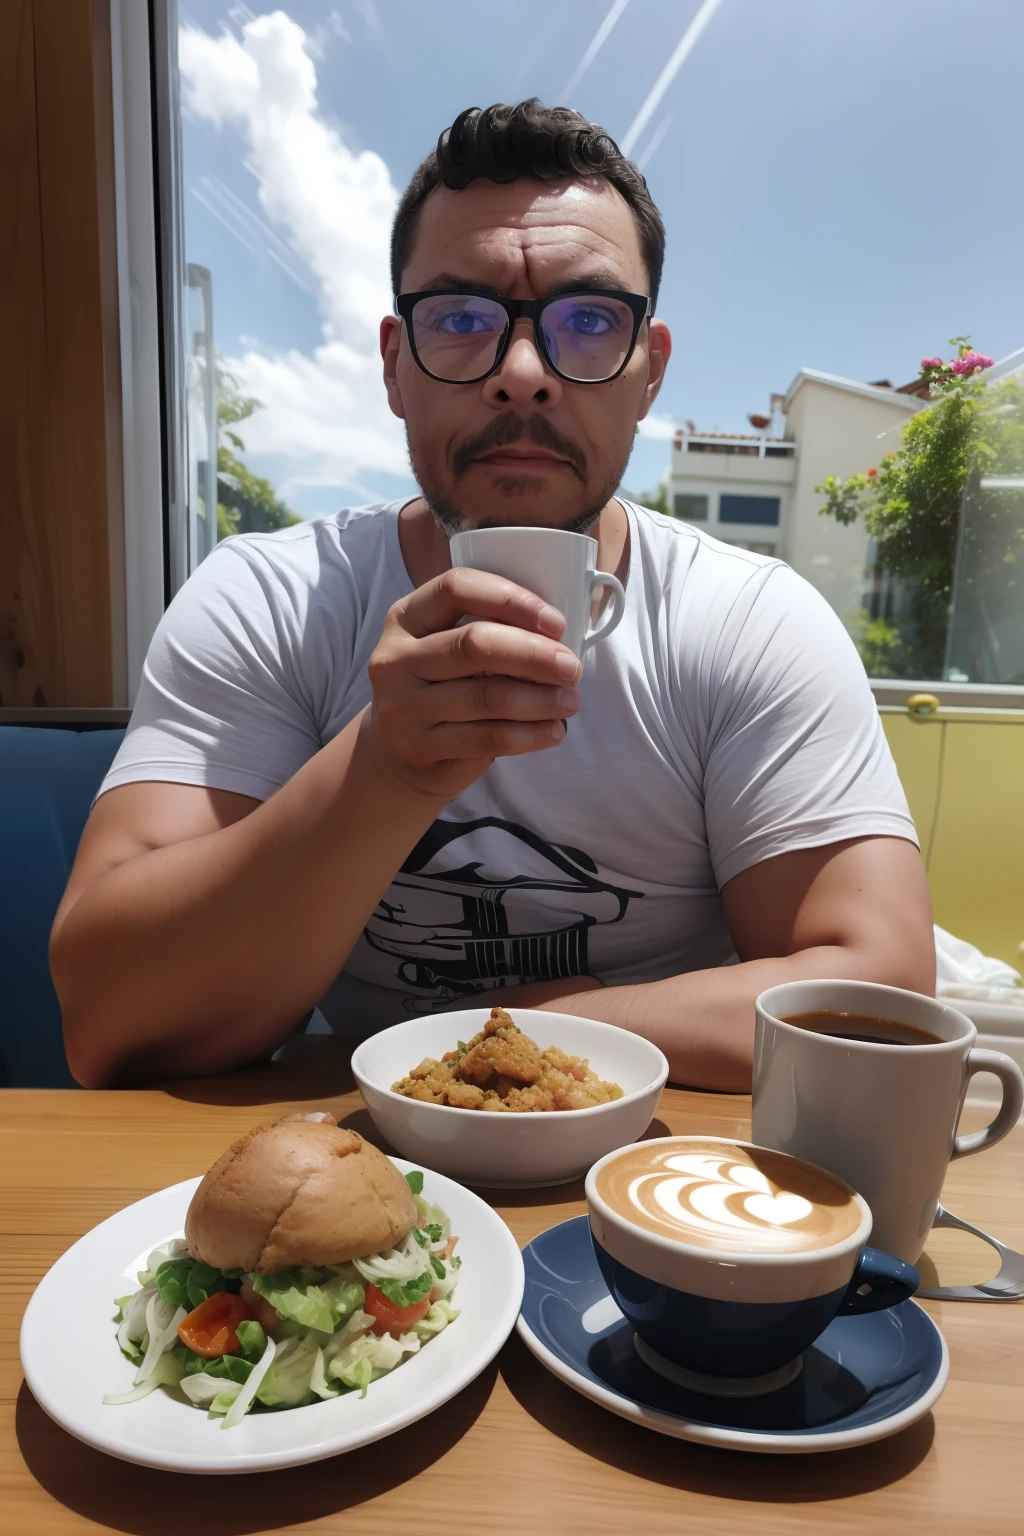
(201, 955)
(704, 1020)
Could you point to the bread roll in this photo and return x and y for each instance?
(297, 1192)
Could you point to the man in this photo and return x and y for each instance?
(335, 790)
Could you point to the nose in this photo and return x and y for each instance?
(523, 378)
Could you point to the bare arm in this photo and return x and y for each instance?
(858, 910)
(199, 926)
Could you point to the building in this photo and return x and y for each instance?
(757, 490)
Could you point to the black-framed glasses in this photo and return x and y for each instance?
(461, 338)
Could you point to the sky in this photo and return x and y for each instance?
(839, 181)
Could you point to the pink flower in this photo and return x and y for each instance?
(872, 473)
(971, 362)
(930, 362)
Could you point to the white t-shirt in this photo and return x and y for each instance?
(728, 719)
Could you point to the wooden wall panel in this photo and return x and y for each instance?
(59, 390)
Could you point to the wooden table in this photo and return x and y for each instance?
(517, 1451)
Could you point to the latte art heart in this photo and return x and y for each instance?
(729, 1196)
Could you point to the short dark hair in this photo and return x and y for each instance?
(504, 143)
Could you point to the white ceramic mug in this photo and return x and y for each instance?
(560, 567)
(883, 1117)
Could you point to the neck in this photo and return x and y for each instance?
(426, 554)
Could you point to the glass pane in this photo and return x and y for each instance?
(793, 372)
(693, 509)
(985, 643)
(201, 398)
(458, 335)
(587, 337)
(748, 509)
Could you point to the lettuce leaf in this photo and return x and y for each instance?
(312, 1306)
(204, 1390)
(251, 1338)
(220, 1368)
(366, 1357)
(435, 1221)
(184, 1282)
(287, 1382)
(436, 1320)
(354, 1327)
(406, 1293)
(415, 1181)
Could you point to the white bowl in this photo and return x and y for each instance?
(510, 1151)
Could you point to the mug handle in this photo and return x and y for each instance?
(1012, 1079)
(613, 613)
(879, 1281)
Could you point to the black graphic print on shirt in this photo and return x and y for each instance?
(487, 903)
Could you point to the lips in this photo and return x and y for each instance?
(510, 443)
(508, 458)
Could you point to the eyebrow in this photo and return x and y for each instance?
(592, 282)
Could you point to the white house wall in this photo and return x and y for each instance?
(838, 432)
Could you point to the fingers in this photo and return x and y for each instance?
(497, 648)
(484, 740)
(496, 699)
(448, 598)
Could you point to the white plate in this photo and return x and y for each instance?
(70, 1356)
(510, 1151)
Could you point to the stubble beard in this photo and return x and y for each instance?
(442, 502)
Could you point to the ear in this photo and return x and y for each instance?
(659, 350)
(390, 344)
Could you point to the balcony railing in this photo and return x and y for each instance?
(749, 447)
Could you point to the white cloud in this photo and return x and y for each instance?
(663, 428)
(333, 207)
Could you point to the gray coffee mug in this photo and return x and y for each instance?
(883, 1117)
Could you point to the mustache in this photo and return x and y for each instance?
(509, 428)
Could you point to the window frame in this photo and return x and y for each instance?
(145, 562)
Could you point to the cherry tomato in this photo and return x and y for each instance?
(391, 1318)
(209, 1329)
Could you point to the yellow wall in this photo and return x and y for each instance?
(964, 778)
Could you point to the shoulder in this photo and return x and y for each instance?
(345, 539)
(708, 588)
(682, 547)
(290, 601)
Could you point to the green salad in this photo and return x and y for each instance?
(236, 1343)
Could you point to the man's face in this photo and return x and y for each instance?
(523, 446)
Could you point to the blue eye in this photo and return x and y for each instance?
(463, 322)
(587, 322)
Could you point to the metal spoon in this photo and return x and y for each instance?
(1007, 1285)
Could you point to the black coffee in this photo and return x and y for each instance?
(863, 1026)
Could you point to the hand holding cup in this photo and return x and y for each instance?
(449, 697)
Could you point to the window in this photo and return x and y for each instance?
(985, 641)
(762, 511)
(693, 509)
(273, 269)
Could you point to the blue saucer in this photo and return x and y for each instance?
(865, 1377)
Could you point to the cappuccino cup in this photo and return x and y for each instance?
(560, 567)
(868, 1082)
(729, 1259)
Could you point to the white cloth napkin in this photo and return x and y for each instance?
(961, 970)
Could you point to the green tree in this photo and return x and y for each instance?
(246, 503)
(656, 500)
(911, 504)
